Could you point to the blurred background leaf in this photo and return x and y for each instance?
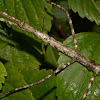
(44, 91)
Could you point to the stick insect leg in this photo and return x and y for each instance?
(70, 23)
(88, 87)
(40, 81)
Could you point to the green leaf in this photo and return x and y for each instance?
(47, 16)
(32, 12)
(18, 49)
(15, 80)
(3, 73)
(27, 11)
(72, 81)
(58, 13)
(44, 90)
(51, 57)
(86, 8)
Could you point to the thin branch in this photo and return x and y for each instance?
(70, 23)
(88, 87)
(9, 17)
(56, 44)
(40, 81)
(8, 22)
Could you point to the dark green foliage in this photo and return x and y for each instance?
(86, 8)
(73, 81)
(26, 59)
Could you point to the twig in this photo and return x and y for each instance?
(43, 79)
(9, 22)
(70, 23)
(88, 87)
(56, 44)
(9, 17)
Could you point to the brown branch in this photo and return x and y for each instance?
(8, 22)
(9, 17)
(40, 81)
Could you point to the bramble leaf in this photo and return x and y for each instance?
(15, 80)
(72, 81)
(31, 11)
(86, 8)
(34, 12)
(45, 90)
